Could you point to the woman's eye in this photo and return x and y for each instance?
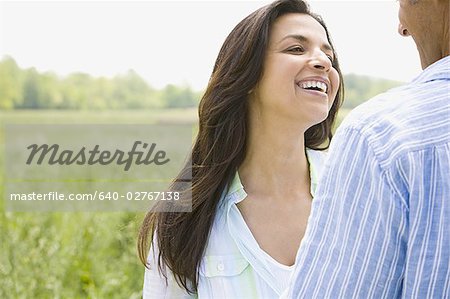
(296, 49)
(331, 58)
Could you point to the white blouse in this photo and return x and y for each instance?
(233, 266)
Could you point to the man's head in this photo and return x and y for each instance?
(427, 21)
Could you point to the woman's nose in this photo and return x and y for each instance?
(321, 61)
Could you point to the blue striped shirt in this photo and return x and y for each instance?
(380, 220)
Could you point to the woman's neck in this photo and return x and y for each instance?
(275, 164)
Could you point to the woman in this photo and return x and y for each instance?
(265, 116)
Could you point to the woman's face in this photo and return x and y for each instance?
(298, 82)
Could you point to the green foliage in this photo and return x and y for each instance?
(70, 255)
(175, 96)
(359, 89)
(29, 89)
(11, 82)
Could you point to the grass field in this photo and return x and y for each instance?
(73, 255)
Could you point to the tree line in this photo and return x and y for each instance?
(30, 89)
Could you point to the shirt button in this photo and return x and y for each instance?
(220, 266)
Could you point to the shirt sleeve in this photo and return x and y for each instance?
(155, 284)
(355, 242)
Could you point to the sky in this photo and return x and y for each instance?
(177, 42)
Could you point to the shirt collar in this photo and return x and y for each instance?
(313, 171)
(236, 192)
(438, 70)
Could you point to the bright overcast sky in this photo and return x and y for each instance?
(177, 42)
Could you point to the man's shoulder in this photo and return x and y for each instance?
(402, 119)
(379, 109)
(402, 111)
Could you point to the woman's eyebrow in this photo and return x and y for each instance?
(298, 37)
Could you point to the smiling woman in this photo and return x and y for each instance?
(299, 62)
(266, 114)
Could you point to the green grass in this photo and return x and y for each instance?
(74, 255)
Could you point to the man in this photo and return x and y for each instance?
(380, 221)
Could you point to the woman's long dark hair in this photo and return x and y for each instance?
(221, 143)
